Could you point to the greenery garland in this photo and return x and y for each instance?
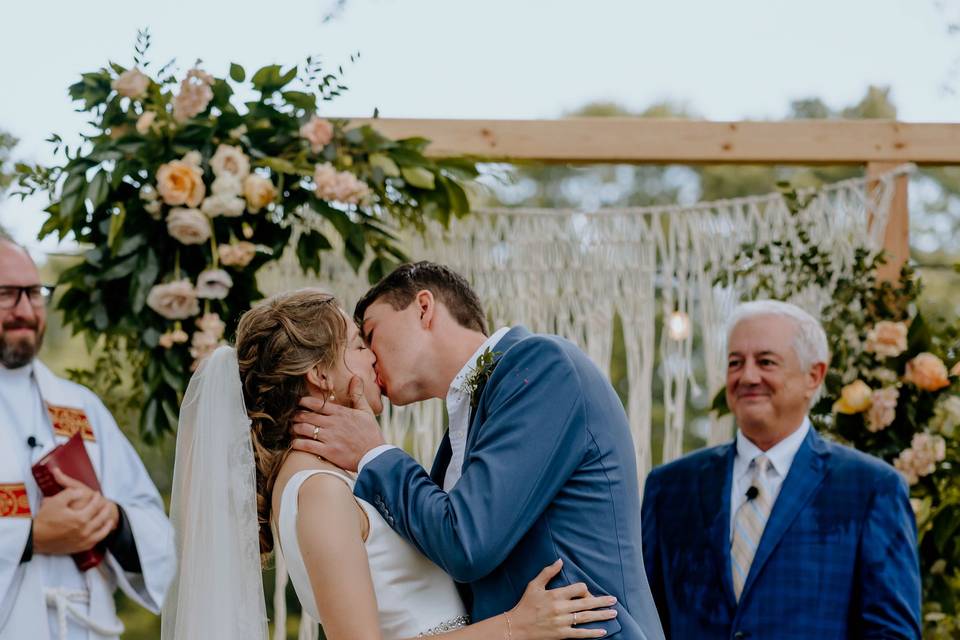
(183, 190)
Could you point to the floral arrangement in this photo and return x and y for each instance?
(892, 389)
(181, 193)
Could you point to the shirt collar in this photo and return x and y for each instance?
(490, 343)
(780, 455)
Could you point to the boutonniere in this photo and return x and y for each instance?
(482, 369)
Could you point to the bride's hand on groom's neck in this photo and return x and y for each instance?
(338, 434)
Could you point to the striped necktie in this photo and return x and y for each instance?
(748, 525)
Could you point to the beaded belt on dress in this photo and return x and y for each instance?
(444, 627)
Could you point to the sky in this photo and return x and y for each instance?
(730, 60)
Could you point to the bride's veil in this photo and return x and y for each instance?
(218, 589)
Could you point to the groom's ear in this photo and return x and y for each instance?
(426, 307)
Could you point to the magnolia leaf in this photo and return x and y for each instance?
(385, 163)
(418, 177)
(237, 73)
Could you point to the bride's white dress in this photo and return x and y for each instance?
(414, 596)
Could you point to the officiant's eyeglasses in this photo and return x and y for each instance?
(37, 294)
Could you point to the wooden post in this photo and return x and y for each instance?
(896, 239)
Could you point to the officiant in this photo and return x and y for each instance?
(43, 594)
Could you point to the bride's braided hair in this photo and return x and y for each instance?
(278, 341)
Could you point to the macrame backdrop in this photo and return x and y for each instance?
(572, 272)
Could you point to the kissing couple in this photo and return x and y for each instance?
(526, 527)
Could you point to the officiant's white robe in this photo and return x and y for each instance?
(46, 595)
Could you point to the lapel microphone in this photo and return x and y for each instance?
(752, 493)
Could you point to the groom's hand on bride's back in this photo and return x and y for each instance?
(339, 434)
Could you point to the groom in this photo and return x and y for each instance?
(537, 464)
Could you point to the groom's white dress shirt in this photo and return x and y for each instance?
(781, 457)
(458, 412)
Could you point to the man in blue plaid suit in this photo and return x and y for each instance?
(780, 534)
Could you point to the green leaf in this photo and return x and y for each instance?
(418, 177)
(120, 269)
(71, 196)
(116, 227)
(719, 403)
(237, 74)
(309, 247)
(99, 188)
(456, 196)
(385, 163)
(280, 165)
(301, 100)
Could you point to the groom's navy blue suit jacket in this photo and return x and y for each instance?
(837, 558)
(549, 472)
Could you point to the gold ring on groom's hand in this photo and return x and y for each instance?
(316, 434)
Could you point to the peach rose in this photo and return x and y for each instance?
(132, 83)
(887, 339)
(318, 132)
(339, 186)
(854, 398)
(180, 183)
(188, 226)
(927, 372)
(258, 191)
(145, 121)
(238, 254)
(230, 160)
(174, 300)
(955, 369)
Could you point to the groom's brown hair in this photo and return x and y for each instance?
(401, 286)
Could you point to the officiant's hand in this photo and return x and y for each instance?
(75, 519)
(338, 434)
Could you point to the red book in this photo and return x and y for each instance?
(72, 459)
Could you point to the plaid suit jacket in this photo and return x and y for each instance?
(837, 559)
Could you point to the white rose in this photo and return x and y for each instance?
(230, 160)
(188, 226)
(214, 284)
(174, 300)
(227, 184)
(258, 191)
(132, 83)
(223, 205)
(145, 121)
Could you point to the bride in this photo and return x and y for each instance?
(240, 492)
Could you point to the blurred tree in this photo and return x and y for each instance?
(7, 143)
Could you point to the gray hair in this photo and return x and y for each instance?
(809, 340)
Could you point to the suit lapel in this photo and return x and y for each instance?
(715, 481)
(442, 460)
(806, 473)
(511, 338)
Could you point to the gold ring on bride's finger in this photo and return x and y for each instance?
(574, 619)
(316, 433)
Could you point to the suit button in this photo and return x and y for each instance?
(739, 634)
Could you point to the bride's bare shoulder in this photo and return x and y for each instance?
(295, 462)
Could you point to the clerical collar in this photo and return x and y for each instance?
(19, 373)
